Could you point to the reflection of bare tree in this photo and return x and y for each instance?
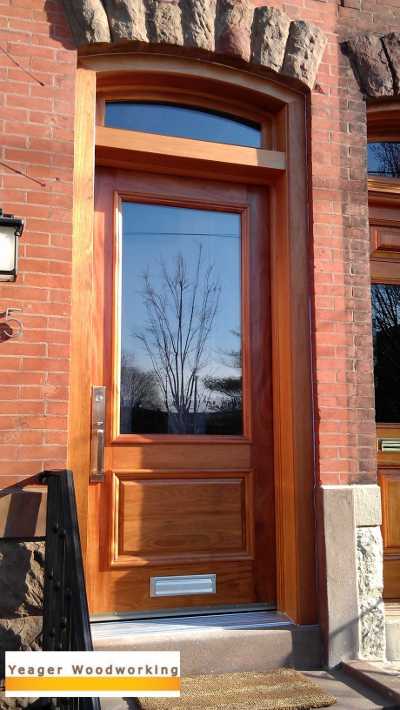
(228, 390)
(138, 388)
(386, 332)
(388, 158)
(180, 316)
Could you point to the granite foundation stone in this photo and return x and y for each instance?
(21, 578)
(370, 589)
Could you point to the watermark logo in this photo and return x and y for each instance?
(100, 674)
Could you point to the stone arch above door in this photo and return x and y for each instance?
(259, 39)
(376, 63)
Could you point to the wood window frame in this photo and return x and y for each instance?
(281, 165)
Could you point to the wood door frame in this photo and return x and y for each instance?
(383, 203)
(292, 397)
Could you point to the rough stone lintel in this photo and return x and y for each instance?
(367, 505)
(234, 32)
(391, 42)
(376, 63)
(304, 49)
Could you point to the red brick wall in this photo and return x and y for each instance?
(36, 123)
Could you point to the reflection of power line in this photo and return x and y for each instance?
(182, 234)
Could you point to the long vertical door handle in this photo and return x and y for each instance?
(97, 435)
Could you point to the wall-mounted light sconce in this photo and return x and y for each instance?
(10, 230)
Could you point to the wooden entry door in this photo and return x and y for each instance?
(185, 515)
(384, 215)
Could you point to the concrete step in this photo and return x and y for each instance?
(222, 643)
(382, 677)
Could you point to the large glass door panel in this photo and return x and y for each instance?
(181, 350)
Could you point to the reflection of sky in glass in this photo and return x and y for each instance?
(182, 121)
(374, 163)
(152, 233)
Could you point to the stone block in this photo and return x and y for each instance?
(304, 49)
(164, 22)
(370, 588)
(270, 33)
(337, 573)
(391, 43)
(21, 578)
(392, 627)
(23, 512)
(198, 23)
(87, 20)
(370, 65)
(234, 28)
(367, 505)
(127, 20)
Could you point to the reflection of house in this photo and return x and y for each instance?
(387, 374)
(289, 512)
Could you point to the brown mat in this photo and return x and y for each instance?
(282, 688)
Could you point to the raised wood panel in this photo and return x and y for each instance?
(385, 238)
(391, 577)
(389, 481)
(183, 517)
(130, 589)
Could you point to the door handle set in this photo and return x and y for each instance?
(98, 434)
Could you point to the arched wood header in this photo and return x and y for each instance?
(259, 39)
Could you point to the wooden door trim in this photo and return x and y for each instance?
(182, 156)
(294, 469)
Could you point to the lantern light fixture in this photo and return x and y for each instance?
(10, 230)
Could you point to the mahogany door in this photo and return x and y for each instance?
(385, 272)
(185, 514)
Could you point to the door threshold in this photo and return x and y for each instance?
(180, 611)
(248, 620)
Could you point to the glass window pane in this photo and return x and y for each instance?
(175, 120)
(384, 159)
(386, 338)
(181, 363)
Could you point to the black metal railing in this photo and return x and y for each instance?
(66, 625)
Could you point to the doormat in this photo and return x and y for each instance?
(279, 689)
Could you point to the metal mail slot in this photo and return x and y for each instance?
(389, 445)
(178, 586)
